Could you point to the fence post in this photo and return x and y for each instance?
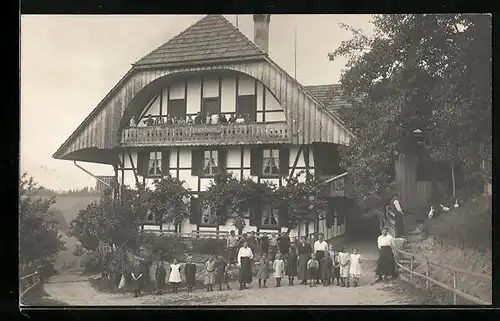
(411, 269)
(427, 274)
(454, 288)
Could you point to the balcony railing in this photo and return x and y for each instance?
(220, 134)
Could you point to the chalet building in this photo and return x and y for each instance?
(211, 67)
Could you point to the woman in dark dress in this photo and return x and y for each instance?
(304, 250)
(291, 264)
(264, 244)
(284, 244)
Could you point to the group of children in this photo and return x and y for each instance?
(337, 267)
(211, 118)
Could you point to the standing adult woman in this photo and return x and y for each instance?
(304, 250)
(245, 257)
(386, 265)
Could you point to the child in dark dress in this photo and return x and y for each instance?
(326, 269)
(336, 268)
(291, 264)
(190, 272)
(160, 275)
(221, 272)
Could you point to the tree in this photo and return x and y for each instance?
(299, 200)
(430, 72)
(110, 221)
(39, 239)
(169, 201)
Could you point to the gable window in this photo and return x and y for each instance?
(270, 162)
(270, 216)
(247, 107)
(210, 162)
(154, 164)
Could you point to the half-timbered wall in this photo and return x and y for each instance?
(309, 120)
(238, 162)
(225, 86)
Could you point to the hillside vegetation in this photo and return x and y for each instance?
(461, 238)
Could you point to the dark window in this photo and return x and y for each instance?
(210, 106)
(247, 107)
(177, 108)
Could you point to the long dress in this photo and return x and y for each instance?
(355, 266)
(283, 245)
(190, 271)
(220, 271)
(304, 256)
(160, 275)
(209, 272)
(175, 274)
(335, 267)
(386, 264)
(344, 264)
(245, 275)
(326, 268)
(278, 268)
(263, 272)
(291, 264)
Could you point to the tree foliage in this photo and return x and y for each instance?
(418, 71)
(110, 221)
(39, 239)
(169, 201)
(226, 194)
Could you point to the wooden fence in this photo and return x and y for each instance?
(425, 281)
(30, 281)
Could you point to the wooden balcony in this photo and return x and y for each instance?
(206, 135)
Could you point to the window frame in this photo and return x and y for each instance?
(179, 101)
(216, 166)
(270, 210)
(276, 162)
(158, 167)
(210, 100)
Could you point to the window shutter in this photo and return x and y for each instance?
(195, 214)
(284, 161)
(283, 216)
(142, 159)
(256, 161)
(330, 213)
(222, 217)
(256, 217)
(165, 163)
(196, 162)
(222, 157)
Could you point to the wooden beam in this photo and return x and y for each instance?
(295, 161)
(134, 169)
(306, 159)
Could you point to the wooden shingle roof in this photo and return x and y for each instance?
(211, 38)
(331, 96)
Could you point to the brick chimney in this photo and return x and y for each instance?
(261, 31)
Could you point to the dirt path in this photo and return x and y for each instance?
(82, 293)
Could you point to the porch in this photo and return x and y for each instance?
(206, 135)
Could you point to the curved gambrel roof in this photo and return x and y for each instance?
(99, 129)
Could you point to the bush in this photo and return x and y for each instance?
(164, 247)
(92, 263)
(209, 246)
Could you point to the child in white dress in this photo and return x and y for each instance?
(279, 269)
(355, 267)
(175, 275)
(344, 260)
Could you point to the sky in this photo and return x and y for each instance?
(70, 62)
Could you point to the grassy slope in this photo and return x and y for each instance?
(461, 238)
(65, 210)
